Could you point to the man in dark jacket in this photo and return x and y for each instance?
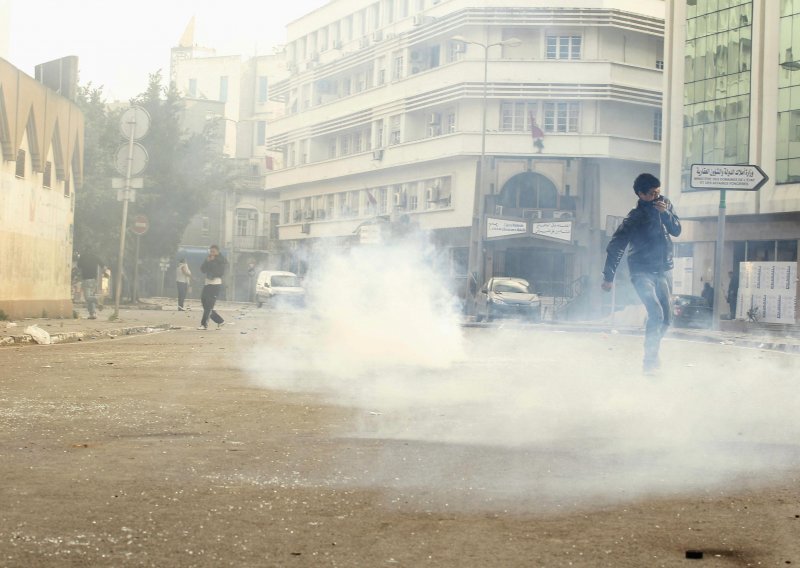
(646, 232)
(214, 269)
(90, 267)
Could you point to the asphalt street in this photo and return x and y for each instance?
(288, 439)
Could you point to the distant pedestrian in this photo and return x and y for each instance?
(646, 232)
(89, 266)
(708, 294)
(183, 276)
(733, 292)
(214, 269)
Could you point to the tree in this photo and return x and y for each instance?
(182, 172)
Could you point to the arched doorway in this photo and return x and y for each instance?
(528, 190)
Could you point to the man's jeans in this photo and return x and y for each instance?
(654, 289)
(89, 287)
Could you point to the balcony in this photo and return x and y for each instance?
(251, 243)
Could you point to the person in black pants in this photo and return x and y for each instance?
(647, 230)
(214, 269)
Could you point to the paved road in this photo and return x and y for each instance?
(291, 440)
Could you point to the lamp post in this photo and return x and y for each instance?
(476, 261)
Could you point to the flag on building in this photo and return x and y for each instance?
(536, 133)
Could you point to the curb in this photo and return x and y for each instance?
(73, 336)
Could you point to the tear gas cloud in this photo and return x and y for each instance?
(500, 416)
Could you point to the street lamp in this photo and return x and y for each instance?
(475, 261)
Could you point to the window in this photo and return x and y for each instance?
(332, 148)
(261, 132)
(246, 222)
(394, 132)
(262, 89)
(517, 116)
(330, 201)
(563, 47)
(657, 125)
(561, 117)
(378, 130)
(344, 145)
(455, 51)
(383, 200)
(192, 88)
(274, 221)
(205, 226)
(223, 89)
(47, 174)
(20, 171)
(397, 70)
(450, 126)
(66, 188)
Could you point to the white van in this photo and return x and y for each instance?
(278, 287)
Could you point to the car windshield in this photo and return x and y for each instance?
(507, 286)
(690, 301)
(284, 281)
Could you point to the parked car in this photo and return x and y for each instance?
(277, 287)
(504, 296)
(691, 311)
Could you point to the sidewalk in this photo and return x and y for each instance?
(149, 316)
(159, 314)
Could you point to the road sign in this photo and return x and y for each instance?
(140, 225)
(134, 122)
(138, 159)
(119, 183)
(726, 176)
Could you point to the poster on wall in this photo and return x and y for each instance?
(767, 292)
(682, 274)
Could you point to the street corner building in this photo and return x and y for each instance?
(41, 163)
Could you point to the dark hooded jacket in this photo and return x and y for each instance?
(647, 233)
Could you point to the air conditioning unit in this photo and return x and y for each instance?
(291, 67)
(320, 214)
(563, 215)
(298, 216)
(399, 199)
(363, 42)
(434, 118)
(323, 86)
(377, 154)
(337, 44)
(432, 194)
(305, 228)
(377, 35)
(532, 213)
(415, 56)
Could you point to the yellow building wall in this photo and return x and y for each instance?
(36, 221)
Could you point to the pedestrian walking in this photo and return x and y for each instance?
(89, 266)
(214, 268)
(733, 292)
(646, 233)
(183, 276)
(708, 294)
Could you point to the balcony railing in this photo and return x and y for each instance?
(251, 242)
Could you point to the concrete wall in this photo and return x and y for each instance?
(35, 220)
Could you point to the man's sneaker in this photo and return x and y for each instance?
(92, 317)
(219, 325)
(180, 309)
(651, 368)
(203, 327)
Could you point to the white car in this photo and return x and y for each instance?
(279, 287)
(508, 297)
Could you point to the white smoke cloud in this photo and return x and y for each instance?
(502, 416)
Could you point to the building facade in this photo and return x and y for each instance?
(41, 157)
(232, 96)
(384, 119)
(734, 98)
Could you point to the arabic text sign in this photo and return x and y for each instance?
(561, 230)
(504, 227)
(721, 176)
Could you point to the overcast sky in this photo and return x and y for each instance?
(119, 43)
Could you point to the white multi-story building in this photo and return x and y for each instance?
(734, 98)
(384, 115)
